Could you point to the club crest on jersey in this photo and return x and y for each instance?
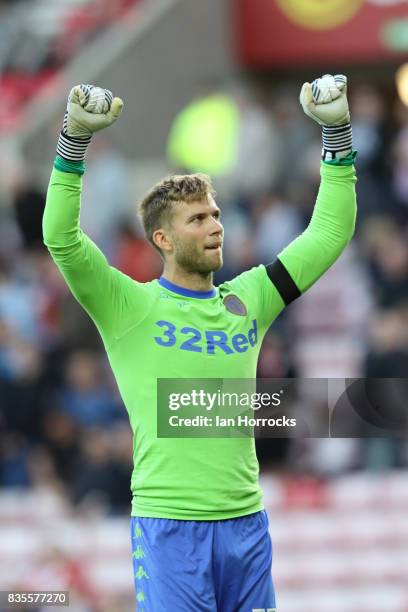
(233, 304)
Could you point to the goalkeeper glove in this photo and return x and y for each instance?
(325, 101)
(89, 109)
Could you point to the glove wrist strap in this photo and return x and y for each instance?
(337, 141)
(70, 148)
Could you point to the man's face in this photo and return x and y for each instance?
(197, 236)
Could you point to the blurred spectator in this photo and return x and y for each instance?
(400, 171)
(297, 134)
(24, 392)
(275, 359)
(103, 475)
(135, 256)
(105, 196)
(29, 205)
(76, 327)
(43, 475)
(15, 294)
(386, 247)
(14, 461)
(84, 394)
(239, 246)
(371, 137)
(61, 436)
(278, 222)
(258, 156)
(387, 354)
(51, 293)
(330, 322)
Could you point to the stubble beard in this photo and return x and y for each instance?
(190, 260)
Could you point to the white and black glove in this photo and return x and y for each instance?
(325, 101)
(89, 109)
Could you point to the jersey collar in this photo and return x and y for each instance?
(201, 295)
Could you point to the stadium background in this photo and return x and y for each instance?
(337, 507)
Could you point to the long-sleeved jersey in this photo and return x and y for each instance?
(159, 330)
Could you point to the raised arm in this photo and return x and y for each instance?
(331, 227)
(105, 293)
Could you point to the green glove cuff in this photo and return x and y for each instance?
(77, 167)
(343, 161)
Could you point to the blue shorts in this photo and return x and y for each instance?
(203, 566)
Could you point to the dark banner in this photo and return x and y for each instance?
(282, 408)
(283, 33)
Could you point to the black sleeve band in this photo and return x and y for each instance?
(282, 281)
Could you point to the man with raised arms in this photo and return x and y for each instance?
(199, 530)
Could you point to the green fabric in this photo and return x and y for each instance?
(204, 135)
(69, 166)
(144, 327)
(330, 229)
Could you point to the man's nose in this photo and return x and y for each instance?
(216, 227)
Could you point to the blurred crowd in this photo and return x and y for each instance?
(62, 420)
(38, 38)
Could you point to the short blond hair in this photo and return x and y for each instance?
(156, 207)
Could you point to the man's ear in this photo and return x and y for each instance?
(162, 240)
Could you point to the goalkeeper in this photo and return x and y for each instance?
(199, 531)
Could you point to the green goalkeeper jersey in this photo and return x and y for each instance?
(159, 330)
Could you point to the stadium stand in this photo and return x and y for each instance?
(337, 508)
(334, 550)
(38, 37)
